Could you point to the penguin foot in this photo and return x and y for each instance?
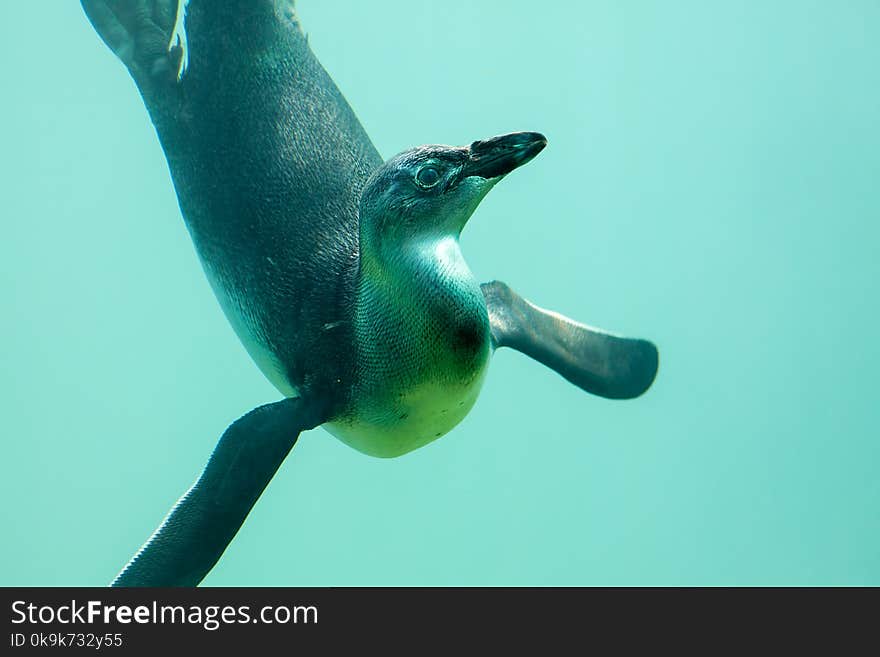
(140, 33)
(601, 363)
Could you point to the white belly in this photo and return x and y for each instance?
(394, 422)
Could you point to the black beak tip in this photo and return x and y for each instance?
(500, 155)
(534, 143)
(533, 138)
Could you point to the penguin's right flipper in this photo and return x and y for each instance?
(140, 33)
(203, 522)
(600, 363)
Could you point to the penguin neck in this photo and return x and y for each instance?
(413, 271)
(418, 284)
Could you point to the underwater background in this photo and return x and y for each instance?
(712, 183)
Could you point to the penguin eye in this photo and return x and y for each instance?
(427, 177)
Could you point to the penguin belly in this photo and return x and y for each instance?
(417, 380)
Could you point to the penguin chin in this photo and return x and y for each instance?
(459, 204)
(434, 218)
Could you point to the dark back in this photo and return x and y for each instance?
(268, 161)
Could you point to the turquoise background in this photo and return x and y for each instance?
(711, 183)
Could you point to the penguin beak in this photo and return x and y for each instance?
(498, 156)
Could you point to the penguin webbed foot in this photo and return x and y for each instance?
(598, 362)
(140, 33)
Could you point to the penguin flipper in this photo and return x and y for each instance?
(600, 363)
(140, 33)
(198, 528)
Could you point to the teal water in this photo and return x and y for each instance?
(711, 183)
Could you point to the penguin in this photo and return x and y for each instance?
(341, 273)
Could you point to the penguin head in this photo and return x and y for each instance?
(431, 191)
